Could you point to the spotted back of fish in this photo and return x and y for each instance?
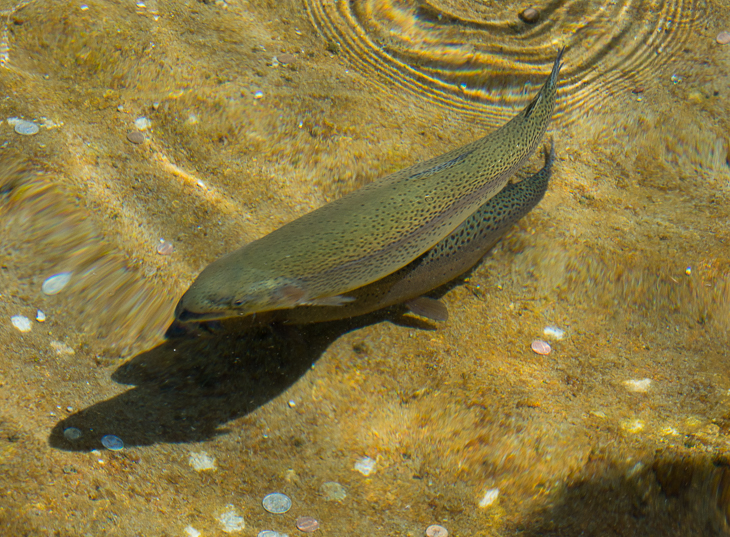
(447, 260)
(371, 232)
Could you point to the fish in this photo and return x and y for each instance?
(369, 233)
(446, 261)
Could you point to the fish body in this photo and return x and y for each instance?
(449, 259)
(371, 232)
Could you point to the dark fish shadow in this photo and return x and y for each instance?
(189, 387)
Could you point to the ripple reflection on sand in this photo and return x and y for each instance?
(44, 233)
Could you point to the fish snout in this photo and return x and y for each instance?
(184, 315)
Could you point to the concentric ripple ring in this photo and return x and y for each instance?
(480, 59)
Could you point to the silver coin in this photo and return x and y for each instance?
(72, 434)
(112, 443)
(276, 503)
(26, 128)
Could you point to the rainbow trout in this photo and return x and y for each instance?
(371, 232)
(449, 259)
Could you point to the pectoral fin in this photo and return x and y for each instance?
(292, 295)
(430, 308)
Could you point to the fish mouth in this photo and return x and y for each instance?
(184, 315)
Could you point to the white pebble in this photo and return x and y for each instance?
(40, 316)
(333, 491)
(191, 532)
(258, 95)
(632, 426)
(554, 332)
(142, 123)
(56, 283)
(61, 348)
(489, 498)
(21, 323)
(230, 520)
(365, 466)
(201, 461)
(639, 386)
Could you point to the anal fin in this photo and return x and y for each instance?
(430, 308)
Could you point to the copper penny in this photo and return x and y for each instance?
(530, 15)
(307, 524)
(436, 530)
(540, 347)
(135, 137)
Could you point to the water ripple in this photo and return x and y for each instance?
(479, 58)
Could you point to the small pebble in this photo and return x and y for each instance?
(142, 123)
(530, 15)
(365, 466)
(26, 128)
(164, 248)
(72, 434)
(723, 38)
(21, 323)
(285, 58)
(192, 532)
(632, 426)
(40, 316)
(231, 520)
(258, 95)
(637, 386)
(271, 533)
(540, 347)
(56, 283)
(276, 503)
(435, 530)
(489, 498)
(201, 461)
(112, 443)
(62, 348)
(554, 332)
(333, 491)
(292, 403)
(307, 524)
(135, 137)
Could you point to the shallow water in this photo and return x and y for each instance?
(627, 254)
